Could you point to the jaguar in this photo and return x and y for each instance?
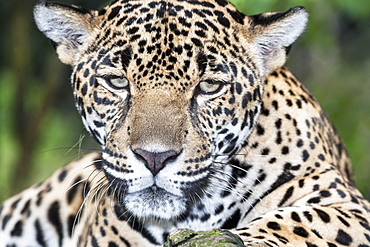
(207, 139)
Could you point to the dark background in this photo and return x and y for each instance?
(40, 129)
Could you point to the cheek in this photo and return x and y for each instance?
(100, 111)
(230, 120)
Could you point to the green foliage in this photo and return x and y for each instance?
(40, 129)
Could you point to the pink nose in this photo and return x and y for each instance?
(155, 161)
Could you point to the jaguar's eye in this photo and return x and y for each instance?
(210, 86)
(118, 82)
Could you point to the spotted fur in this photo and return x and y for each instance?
(201, 127)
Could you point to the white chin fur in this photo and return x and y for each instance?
(154, 203)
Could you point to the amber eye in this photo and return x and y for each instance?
(118, 82)
(210, 86)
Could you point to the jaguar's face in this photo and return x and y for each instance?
(170, 90)
(166, 117)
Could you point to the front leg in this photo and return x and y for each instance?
(309, 226)
(336, 225)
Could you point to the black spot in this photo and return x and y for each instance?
(308, 216)
(321, 157)
(114, 12)
(79, 66)
(114, 230)
(260, 130)
(62, 175)
(300, 231)
(280, 238)
(39, 234)
(278, 123)
(133, 30)
(135, 37)
(205, 217)
(222, 3)
(202, 63)
(94, 242)
(305, 155)
(325, 193)
(131, 21)
(308, 244)
(316, 233)
(204, 4)
(287, 195)
(295, 217)
(237, 16)
(278, 216)
(98, 124)
(234, 70)
(17, 230)
(246, 99)
(301, 183)
(323, 216)
(196, 42)
(71, 222)
(15, 204)
(314, 200)
(126, 56)
(26, 208)
(86, 73)
(265, 151)
(119, 212)
(84, 90)
(232, 221)
(343, 221)
(285, 150)
(102, 231)
(200, 33)
(222, 19)
(112, 244)
(238, 88)
(343, 238)
(260, 178)
(54, 219)
(299, 143)
(274, 226)
(219, 209)
(275, 105)
(71, 194)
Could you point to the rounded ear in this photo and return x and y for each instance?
(273, 33)
(68, 27)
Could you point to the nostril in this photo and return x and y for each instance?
(155, 161)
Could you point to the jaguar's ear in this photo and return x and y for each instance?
(274, 33)
(68, 27)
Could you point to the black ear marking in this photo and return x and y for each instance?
(75, 8)
(266, 19)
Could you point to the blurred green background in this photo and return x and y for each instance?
(40, 129)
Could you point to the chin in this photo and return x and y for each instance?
(155, 203)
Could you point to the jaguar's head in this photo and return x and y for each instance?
(170, 89)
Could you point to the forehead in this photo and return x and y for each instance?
(145, 22)
(175, 37)
(128, 12)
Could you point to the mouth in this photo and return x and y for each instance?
(155, 203)
(149, 198)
